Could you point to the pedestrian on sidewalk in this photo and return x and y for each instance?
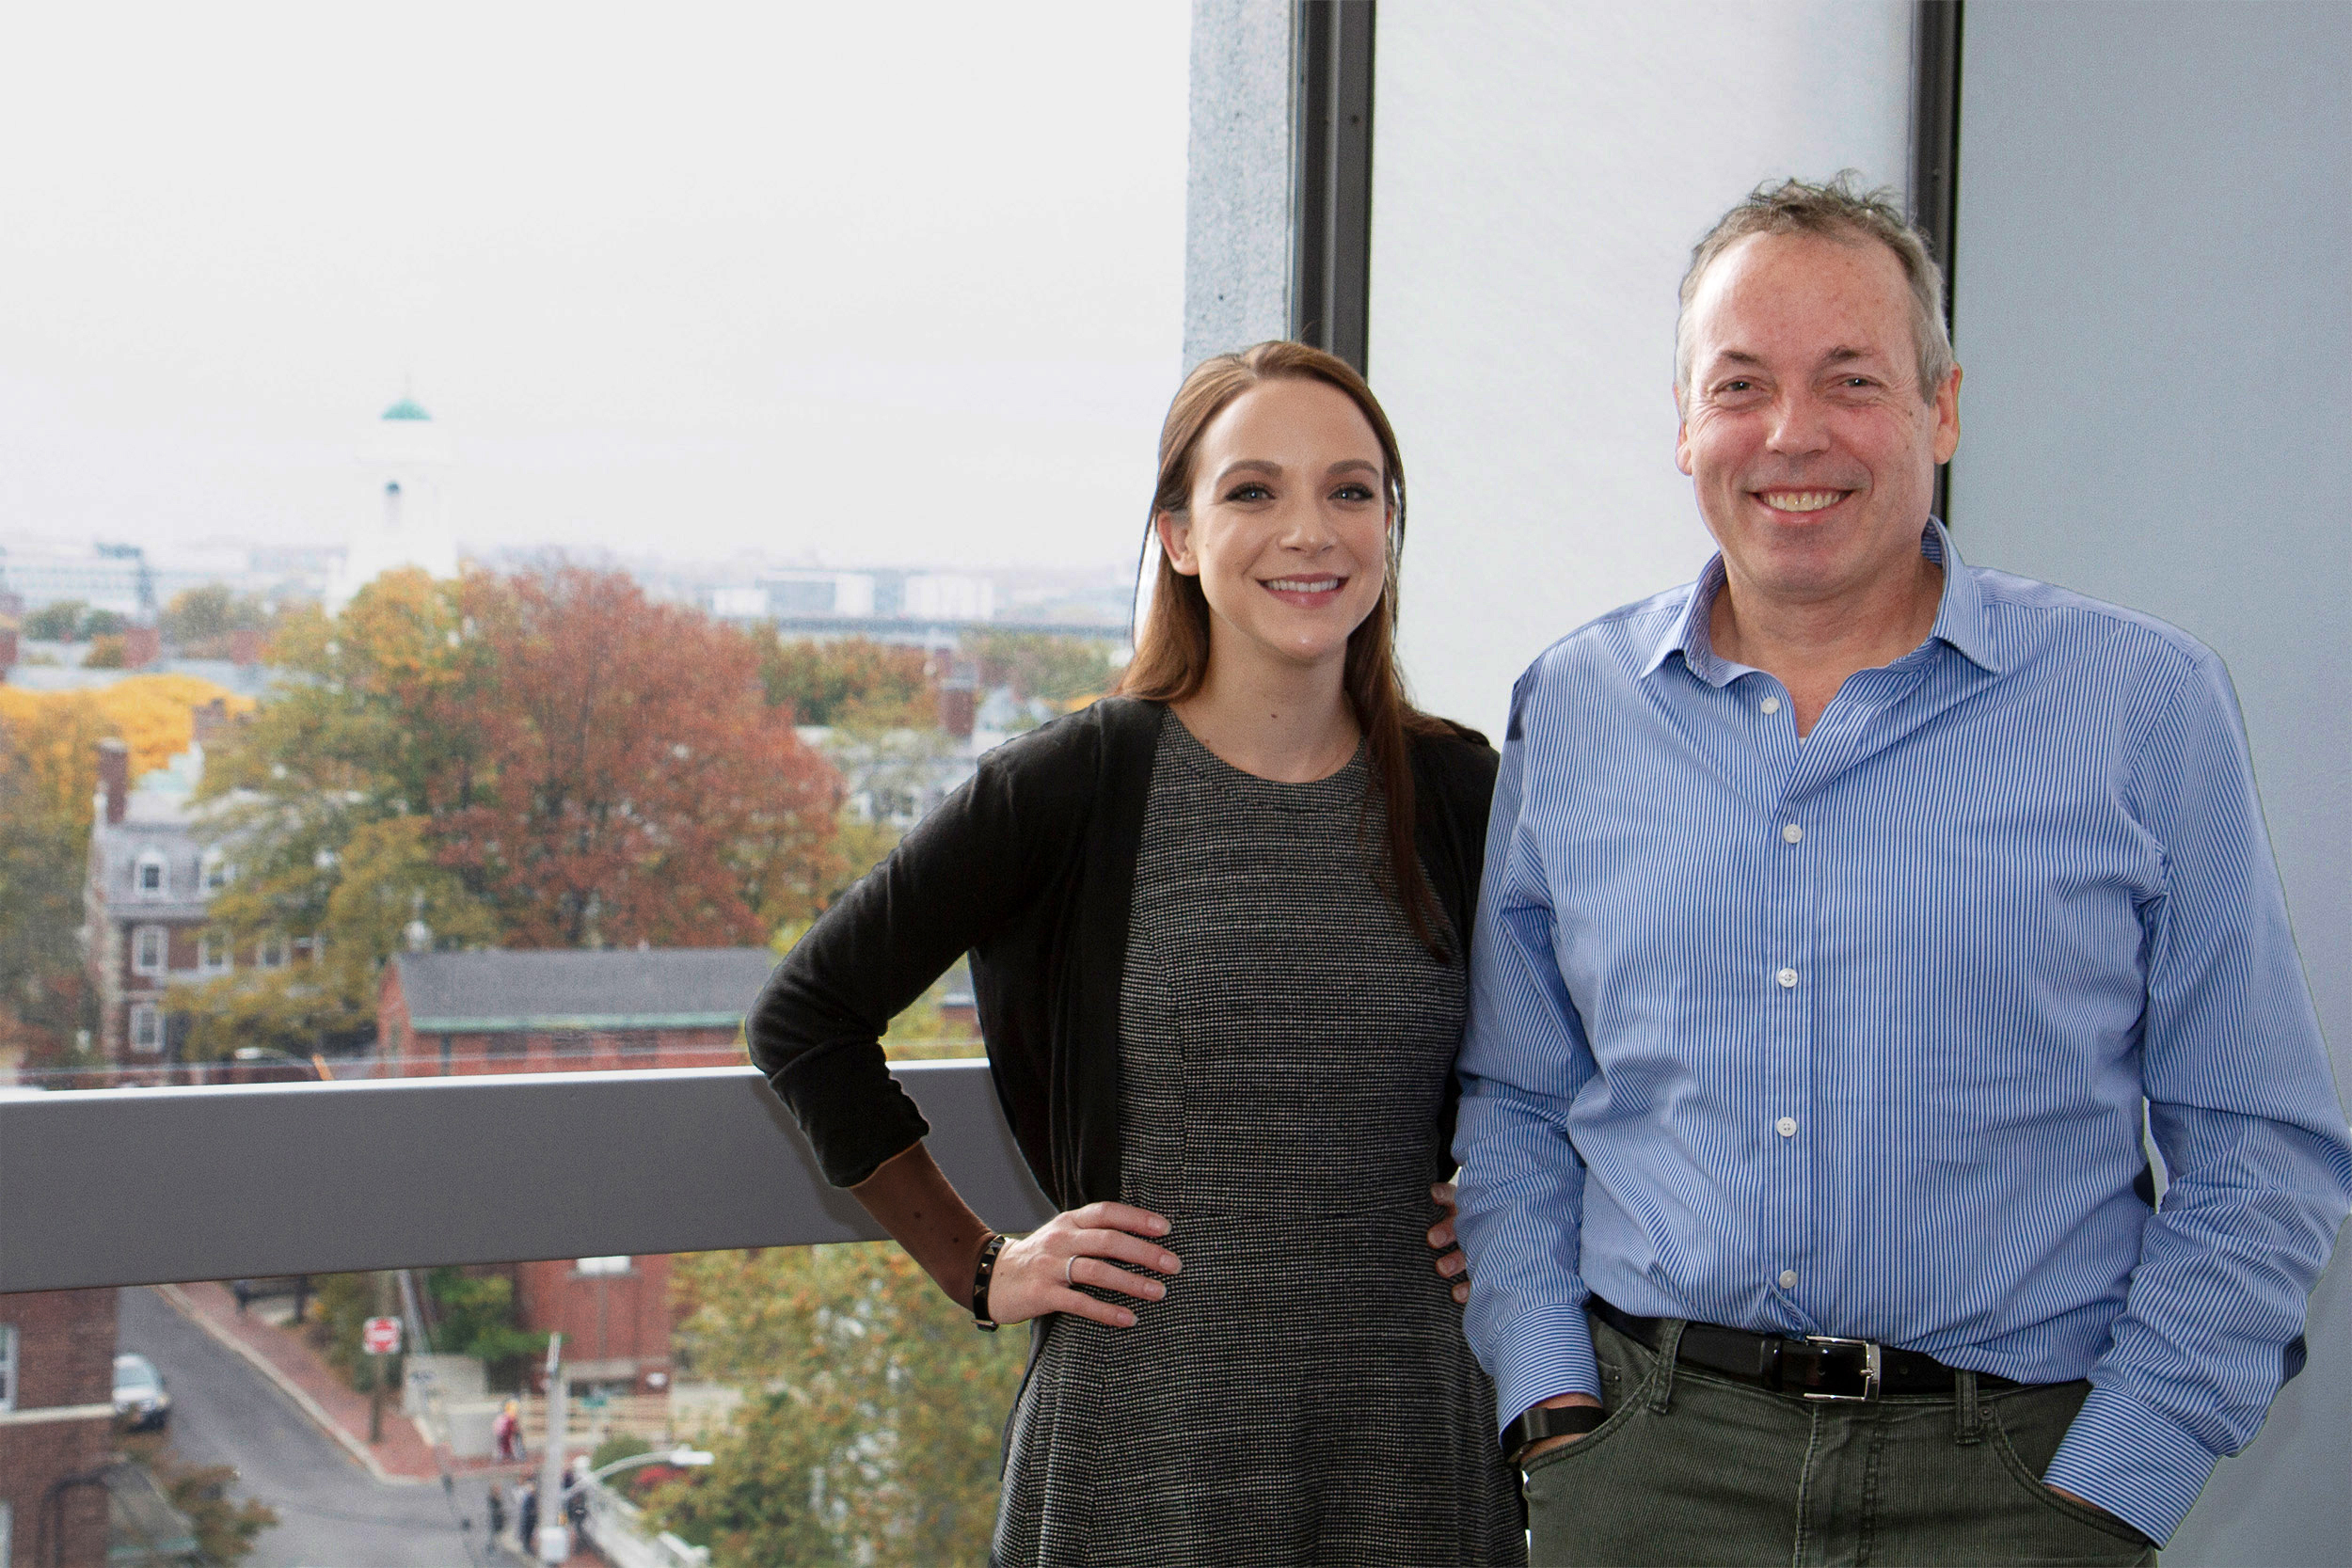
(507, 1432)
(527, 1516)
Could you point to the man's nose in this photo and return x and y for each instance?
(1800, 424)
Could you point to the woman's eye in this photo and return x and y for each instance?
(1247, 493)
(1352, 492)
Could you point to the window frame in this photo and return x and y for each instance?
(145, 1012)
(214, 953)
(161, 936)
(9, 1339)
(158, 863)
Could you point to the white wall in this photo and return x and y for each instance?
(1540, 172)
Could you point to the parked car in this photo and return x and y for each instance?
(141, 1400)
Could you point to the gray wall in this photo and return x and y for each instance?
(2152, 310)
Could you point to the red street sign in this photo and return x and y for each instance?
(380, 1336)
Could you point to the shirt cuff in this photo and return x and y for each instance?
(1547, 1352)
(2131, 1459)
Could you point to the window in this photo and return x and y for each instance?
(150, 880)
(217, 871)
(212, 953)
(603, 1265)
(151, 948)
(273, 950)
(7, 1381)
(146, 1026)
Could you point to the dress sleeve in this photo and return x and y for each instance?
(973, 866)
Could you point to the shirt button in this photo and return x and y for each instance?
(1793, 832)
(1787, 1279)
(1787, 1127)
(1769, 704)
(1787, 977)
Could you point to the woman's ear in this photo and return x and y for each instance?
(1175, 531)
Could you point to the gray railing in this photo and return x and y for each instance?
(139, 1186)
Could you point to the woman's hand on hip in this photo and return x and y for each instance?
(1450, 1263)
(1040, 1273)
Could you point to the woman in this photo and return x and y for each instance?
(1217, 927)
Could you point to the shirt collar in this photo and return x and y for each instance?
(1959, 615)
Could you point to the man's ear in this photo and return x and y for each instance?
(1947, 416)
(1175, 531)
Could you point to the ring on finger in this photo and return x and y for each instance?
(1069, 1263)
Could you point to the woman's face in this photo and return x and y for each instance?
(1288, 525)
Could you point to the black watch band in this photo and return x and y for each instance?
(1549, 1420)
(982, 1272)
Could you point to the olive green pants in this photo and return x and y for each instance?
(1691, 1467)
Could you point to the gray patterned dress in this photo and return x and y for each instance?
(1303, 1394)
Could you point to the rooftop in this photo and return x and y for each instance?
(673, 987)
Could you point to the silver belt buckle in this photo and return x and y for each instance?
(1871, 1368)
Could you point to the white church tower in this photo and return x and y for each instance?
(407, 458)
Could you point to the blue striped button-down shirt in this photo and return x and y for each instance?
(1848, 1035)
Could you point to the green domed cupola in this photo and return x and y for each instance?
(407, 408)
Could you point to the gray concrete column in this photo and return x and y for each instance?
(1237, 200)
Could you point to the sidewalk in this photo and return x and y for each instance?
(303, 1375)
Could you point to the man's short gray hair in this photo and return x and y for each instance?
(1839, 209)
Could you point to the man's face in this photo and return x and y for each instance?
(1803, 431)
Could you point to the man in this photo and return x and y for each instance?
(1840, 909)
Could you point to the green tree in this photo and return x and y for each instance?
(475, 1316)
(60, 622)
(210, 611)
(225, 1531)
(871, 1435)
(849, 680)
(1061, 670)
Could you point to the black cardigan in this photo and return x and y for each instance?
(1030, 867)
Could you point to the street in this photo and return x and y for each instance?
(331, 1514)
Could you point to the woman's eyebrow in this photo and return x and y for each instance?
(1252, 464)
(1353, 465)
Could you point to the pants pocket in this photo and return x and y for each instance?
(2021, 1439)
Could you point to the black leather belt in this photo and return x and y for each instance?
(1819, 1367)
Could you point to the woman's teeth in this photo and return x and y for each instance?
(1304, 585)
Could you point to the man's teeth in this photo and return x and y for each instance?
(1304, 585)
(1800, 500)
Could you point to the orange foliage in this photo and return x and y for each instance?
(58, 732)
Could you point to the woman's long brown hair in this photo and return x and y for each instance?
(1173, 650)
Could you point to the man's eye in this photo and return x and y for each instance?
(1737, 386)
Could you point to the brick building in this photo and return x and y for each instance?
(57, 1425)
(462, 1013)
(147, 901)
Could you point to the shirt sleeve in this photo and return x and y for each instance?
(972, 864)
(1522, 1062)
(2243, 1109)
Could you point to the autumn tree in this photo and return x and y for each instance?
(644, 791)
(545, 760)
(873, 1428)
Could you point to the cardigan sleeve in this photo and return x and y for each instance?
(967, 871)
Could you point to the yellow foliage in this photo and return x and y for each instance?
(58, 732)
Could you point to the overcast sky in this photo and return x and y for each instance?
(880, 283)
